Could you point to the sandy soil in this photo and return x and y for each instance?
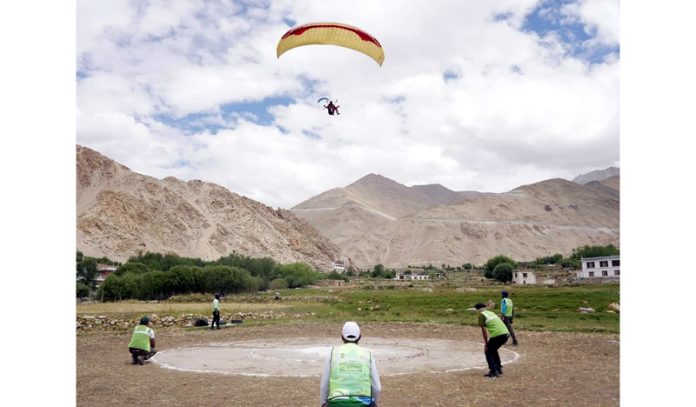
(552, 369)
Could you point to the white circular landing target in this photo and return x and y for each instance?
(304, 357)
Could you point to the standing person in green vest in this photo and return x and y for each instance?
(492, 325)
(350, 375)
(142, 343)
(506, 314)
(216, 312)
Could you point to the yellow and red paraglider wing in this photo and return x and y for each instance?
(332, 34)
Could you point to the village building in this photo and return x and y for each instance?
(103, 271)
(523, 277)
(600, 267)
(338, 266)
(409, 275)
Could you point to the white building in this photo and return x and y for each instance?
(523, 277)
(402, 276)
(600, 267)
(338, 266)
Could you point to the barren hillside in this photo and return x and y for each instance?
(120, 213)
(548, 217)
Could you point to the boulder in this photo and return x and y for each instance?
(585, 310)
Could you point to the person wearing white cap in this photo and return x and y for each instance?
(350, 374)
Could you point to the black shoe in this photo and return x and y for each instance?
(500, 372)
(515, 344)
(140, 360)
(491, 374)
(134, 360)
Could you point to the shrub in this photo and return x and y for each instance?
(503, 272)
(82, 290)
(493, 262)
(278, 283)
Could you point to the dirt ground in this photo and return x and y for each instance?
(553, 369)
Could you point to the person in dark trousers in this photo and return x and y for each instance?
(142, 343)
(216, 312)
(494, 327)
(507, 314)
(333, 109)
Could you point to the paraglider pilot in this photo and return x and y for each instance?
(332, 108)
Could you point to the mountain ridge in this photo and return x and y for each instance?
(121, 213)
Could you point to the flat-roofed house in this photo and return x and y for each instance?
(600, 267)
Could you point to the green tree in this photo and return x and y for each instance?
(377, 270)
(82, 290)
(134, 267)
(278, 283)
(503, 272)
(87, 271)
(594, 251)
(491, 263)
(297, 274)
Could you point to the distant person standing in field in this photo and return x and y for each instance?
(216, 312)
(142, 343)
(350, 375)
(492, 325)
(506, 314)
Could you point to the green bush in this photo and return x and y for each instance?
(493, 262)
(82, 290)
(132, 267)
(503, 272)
(278, 283)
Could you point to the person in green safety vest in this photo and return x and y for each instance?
(216, 312)
(142, 343)
(491, 325)
(350, 375)
(506, 314)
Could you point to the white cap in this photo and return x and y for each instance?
(351, 331)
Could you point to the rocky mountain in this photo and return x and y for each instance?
(377, 220)
(610, 186)
(597, 175)
(120, 212)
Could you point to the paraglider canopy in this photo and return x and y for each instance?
(342, 35)
(320, 99)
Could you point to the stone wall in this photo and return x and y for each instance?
(90, 323)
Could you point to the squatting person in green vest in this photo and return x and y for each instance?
(506, 314)
(492, 325)
(350, 375)
(142, 343)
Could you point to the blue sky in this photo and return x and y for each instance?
(194, 90)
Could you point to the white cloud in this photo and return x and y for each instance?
(600, 15)
(513, 111)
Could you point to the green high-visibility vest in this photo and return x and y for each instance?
(350, 372)
(507, 306)
(140, 338)
(494, 324)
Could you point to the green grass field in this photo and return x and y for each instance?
(536, 308)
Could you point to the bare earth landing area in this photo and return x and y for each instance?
(305, 357)
(280, 365)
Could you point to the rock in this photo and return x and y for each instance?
(585, 310)
(615, 307)
(449, 310)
